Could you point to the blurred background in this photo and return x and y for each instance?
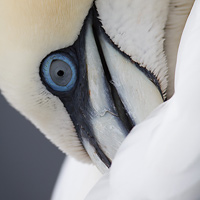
(29, 163)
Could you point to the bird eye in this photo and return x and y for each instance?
(59, 72)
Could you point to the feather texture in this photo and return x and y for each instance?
(30, 30)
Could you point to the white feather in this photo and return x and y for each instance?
(75, 180)
(138, 30)
(178, 14)
(160, 159)
(30, 30)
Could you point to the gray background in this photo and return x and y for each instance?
(29, 163)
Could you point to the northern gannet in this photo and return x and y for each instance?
(86, 72)
(160, 158)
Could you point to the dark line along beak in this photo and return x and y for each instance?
(111, 95)
(120, 93)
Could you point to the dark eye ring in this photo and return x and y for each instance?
(59, 72)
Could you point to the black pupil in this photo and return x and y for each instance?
(60, 73)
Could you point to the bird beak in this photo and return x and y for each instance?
(112, 94)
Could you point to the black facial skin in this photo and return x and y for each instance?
(76, 101)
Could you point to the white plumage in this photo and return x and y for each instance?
(149, 33)
(137, 28)
(75, 180)
(160, 157)
(31, 30)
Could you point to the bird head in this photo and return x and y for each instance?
(83, 72)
